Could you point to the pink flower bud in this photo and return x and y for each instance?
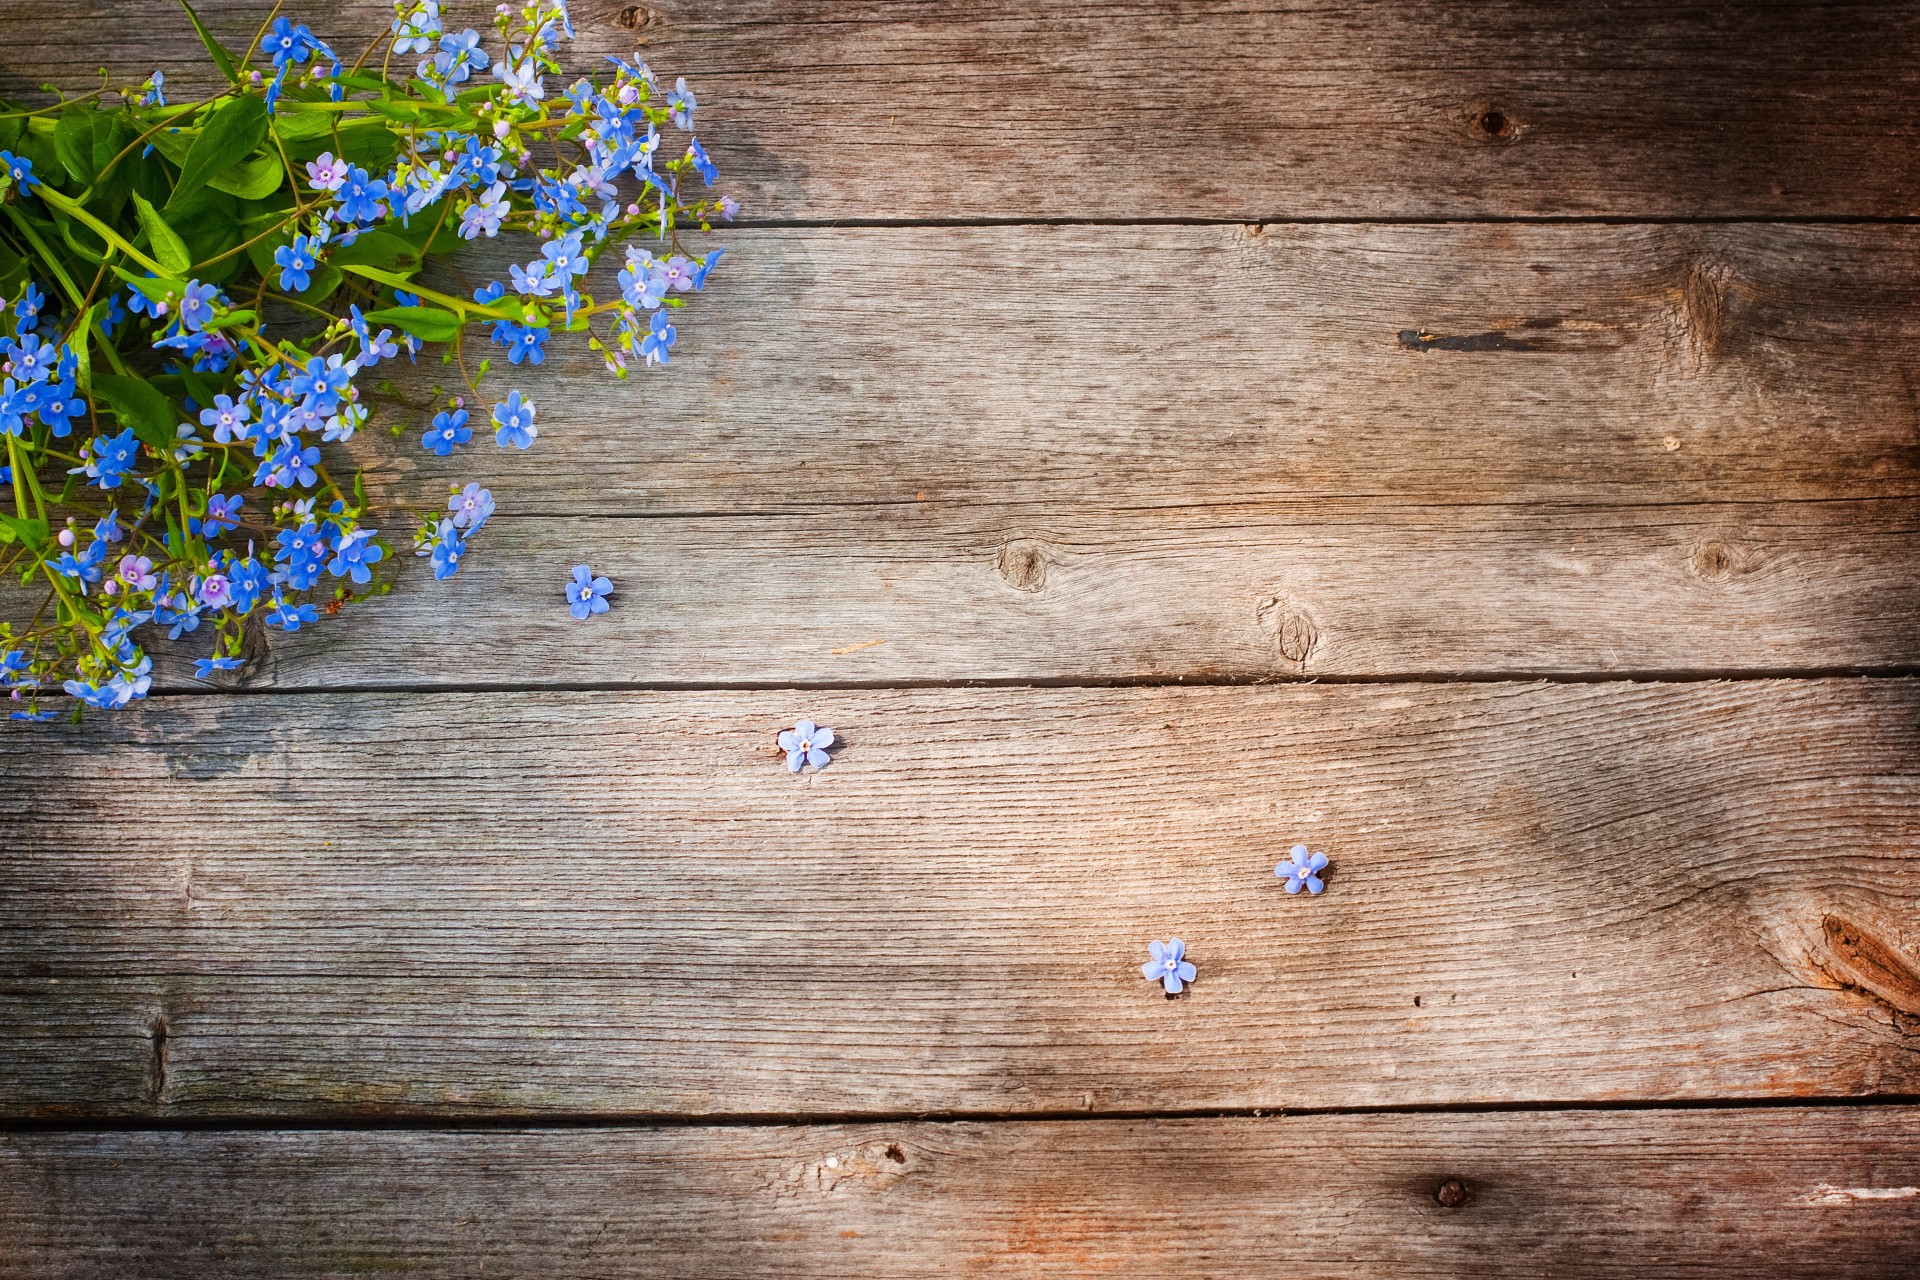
(66, 537)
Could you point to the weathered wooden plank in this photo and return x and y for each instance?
(1180, 366)
(1169, 108)
(433, 905)
(1330, 588)
(912, 449)
(1748, 1193)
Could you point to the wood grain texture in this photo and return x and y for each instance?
(622, 904)
(1739, 1194)
(1166, 367)
(925, 593)
(1171, 108)
(1697, 454)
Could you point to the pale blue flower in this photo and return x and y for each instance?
(806, 744)
(1169, 965)
(1301, 870)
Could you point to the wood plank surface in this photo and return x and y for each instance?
(1700, 457)
(1074, 367)
(322, 906)
(927, 593)
(1736, 1194)
(1216, 109)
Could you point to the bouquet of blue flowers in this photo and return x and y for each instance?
(194, 293)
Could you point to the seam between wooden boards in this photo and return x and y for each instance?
(310, 1123)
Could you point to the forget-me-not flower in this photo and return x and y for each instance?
(514, 418)
(587, 594)
(448, 430)
(1169, 965)
(806, 743)
(1302, 870)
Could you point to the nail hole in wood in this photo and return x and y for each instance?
(1453, 1193)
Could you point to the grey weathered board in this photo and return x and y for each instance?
(1744, 1195)
(1682, 454)
(1374, 449)
(1217, 109)
(622, 904)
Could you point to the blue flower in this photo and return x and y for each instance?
(196, 305)
(223, 513)
(806, 744)
(702, 161)
(287, 43)
(1169, 965)
(296, 263)
(444, 549)
(659, 338)
(523, 342)
(353, 554)
(13, 665)
(587, 594)
(487, 294)
(204, 668)
(707, 264)
(32, 359)
(288, 466)
(471, 507)
(416, 26)
(360, 197)
(28, 308)
(680, 104)
(448, 430)
(228, 418)
(156, 90)
(302, 553)
(112, 457)
(1301, 870)
(290, 617)
(515, 422)
(59, 406)
(21, 170)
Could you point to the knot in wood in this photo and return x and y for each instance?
(1493, 124)
(635, 17)
(1453, 1193)
(1291, 626)
(1716, 562)
(1023, 563)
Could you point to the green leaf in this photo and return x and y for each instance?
(254, 178)
(429, 324)
(152, 286)
(73, 142)
(221, 58)
(139, 406)
(33, 533)
(302, 126)
(227, 321)
(381, 249)
(228, 133)
(168, 248)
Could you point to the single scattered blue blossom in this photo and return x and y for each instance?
(1301, 870)
(806, 744)
(1169, 965)
(586, 593)
(204, 668)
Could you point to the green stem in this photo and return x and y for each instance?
(73, 210)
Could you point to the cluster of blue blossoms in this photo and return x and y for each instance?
(235, 516)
